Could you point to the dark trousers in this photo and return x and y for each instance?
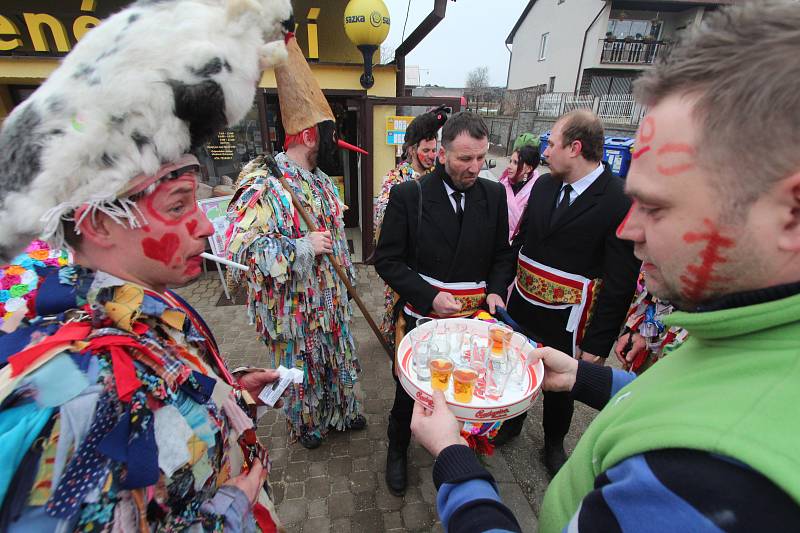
(549, 327)
(399, 431)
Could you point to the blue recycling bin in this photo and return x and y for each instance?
(617, 153)
(543, 138)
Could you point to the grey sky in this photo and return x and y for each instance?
(472, 34)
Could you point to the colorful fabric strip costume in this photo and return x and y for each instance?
(298, 304)
(167, 417)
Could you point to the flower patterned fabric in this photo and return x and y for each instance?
(19, 279)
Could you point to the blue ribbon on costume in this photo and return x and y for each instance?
(651, 327)
(16, 341)
(199, 387)
(54, 297)
(135, 447)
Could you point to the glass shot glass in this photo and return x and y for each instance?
(441, 368)
(421, 353)
(464, 380)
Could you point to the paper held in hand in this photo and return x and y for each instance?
(272, 393)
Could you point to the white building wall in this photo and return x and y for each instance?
(566, 22)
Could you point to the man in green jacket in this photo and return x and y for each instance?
(708, 439)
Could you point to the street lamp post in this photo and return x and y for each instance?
(366, 23)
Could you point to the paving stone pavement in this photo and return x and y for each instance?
(339, 487)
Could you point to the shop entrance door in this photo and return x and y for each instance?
(344, 170)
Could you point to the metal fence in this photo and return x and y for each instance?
(613, 108)
(635, 52)
(619, 109)
(556, 104)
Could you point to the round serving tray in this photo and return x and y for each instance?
(515, 400)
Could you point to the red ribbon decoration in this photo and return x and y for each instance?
(64, 337)
(124, 369)
(264, 519)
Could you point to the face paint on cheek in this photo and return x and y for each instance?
(161, 250)
(698, 279)
(677, 167)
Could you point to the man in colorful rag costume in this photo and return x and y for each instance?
(294, 296)
(420, 157)
(116, 408)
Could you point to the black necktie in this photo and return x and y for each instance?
(459, 210)
(563, 205)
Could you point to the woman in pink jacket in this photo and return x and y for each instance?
(518, 179)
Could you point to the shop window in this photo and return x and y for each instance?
(230, 149)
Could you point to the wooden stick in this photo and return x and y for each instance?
(336, 266)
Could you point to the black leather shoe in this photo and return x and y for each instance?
(310, 441)
(553, 457)
(396, 470)
(359, 422)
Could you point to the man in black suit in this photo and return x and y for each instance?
(449, 228)
(575, 277)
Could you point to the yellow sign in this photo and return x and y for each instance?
(396, 126)
(366, 22)
(27, 30)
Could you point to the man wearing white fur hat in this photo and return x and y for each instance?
(116, 408)
(296, 299)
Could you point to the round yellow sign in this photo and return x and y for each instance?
(366, 22)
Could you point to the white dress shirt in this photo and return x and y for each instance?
(450, 192)
(579, 186)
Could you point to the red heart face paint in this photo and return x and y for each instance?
(161, 250)
(191, 226)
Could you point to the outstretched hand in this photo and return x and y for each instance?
(560, 369)
(436, 429)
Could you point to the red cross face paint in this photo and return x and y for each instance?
(704, 277)
(687, 255)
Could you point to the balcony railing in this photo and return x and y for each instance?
(624, 52)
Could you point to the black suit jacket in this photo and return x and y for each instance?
(477, 251)
(582, 241)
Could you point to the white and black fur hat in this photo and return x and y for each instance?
(143, 88)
